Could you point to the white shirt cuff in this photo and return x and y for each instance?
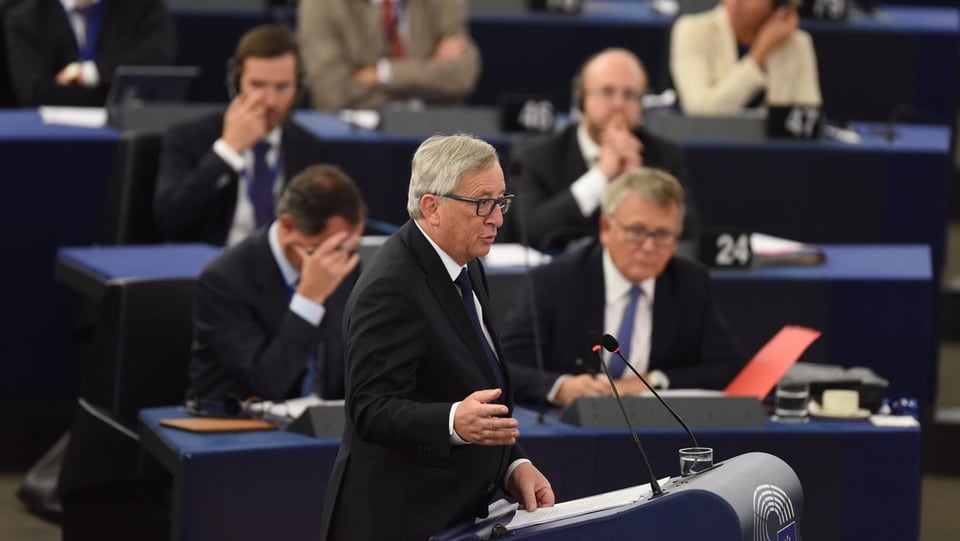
(513, 466)
(233, 158)
(455, 438)
(384, 71)
(310, 311)
(89, 75)
(555, 388)
(658, 380)
(588, 190)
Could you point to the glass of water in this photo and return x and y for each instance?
(695, 460)
(791, 400)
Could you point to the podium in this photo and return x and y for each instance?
(747, 497)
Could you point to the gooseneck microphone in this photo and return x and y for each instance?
(594, 339)
(610, 344)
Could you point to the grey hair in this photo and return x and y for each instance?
(658, 187)
(442, 162)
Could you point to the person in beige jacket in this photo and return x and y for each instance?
(743, 53)
(352, 62)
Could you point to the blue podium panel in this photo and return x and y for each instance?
(873, 305)
(241, 486)
(55, 179)
(235, 484)
(840, 479)
(878, 191)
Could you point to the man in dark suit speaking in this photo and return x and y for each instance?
(220, 175)
(429, 437)
(561, 178)
(632, 286)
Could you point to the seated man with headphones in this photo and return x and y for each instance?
(220, 176)
(560, 179)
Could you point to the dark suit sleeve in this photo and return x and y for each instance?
(148, 40)
(721, 356)
(386, 337)
(190, 177)
(549, 213)
(270, 366)
(519, 345)
(37, 50)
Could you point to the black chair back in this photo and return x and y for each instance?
(128, 212)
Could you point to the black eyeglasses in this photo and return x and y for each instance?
(662, 238)
(484, 206)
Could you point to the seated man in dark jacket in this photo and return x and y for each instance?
(268, 312)
(560, 179)
(632, 286)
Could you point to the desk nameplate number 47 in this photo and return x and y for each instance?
(726, 249)
(794, 122)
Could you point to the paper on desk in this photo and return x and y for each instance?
(773, 360)
(896, 421)
(84, 117)
(582, 506)
(514, 255)
(292, 408)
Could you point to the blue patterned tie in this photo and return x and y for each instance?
(625, 335)
(466, 289)
(261, 193)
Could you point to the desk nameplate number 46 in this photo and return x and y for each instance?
(794, 122)
(726, 249)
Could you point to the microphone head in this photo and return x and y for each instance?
(609, 343)
(593, 340)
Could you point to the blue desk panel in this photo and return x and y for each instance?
(868, 64)
(878, 191)
(872, 303)
(238, 484)
(54, 178)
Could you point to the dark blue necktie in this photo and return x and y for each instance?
(261, 193)
(91, 27)
(466, 289)
(625, 335)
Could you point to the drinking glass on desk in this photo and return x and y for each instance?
(791, 400)
(695, 460)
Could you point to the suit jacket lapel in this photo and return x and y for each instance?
(447, 293)
(573, 164)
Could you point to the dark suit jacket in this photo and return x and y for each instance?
(247, 341)
(542, 171)
(691, 341)
(411, 352)
(196, 192)
(40, 42)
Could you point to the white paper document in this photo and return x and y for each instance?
(292, 408)
(582, 506)
(84, 117)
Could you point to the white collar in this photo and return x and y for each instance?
(70, 5)
(588, 148)
(290, 274)
(616, 286)
(453, 268)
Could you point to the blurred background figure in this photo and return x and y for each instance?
(64, 52)
(220, 175)
(364, 54)
(268, 312)
(743, 54)
(561, 178)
